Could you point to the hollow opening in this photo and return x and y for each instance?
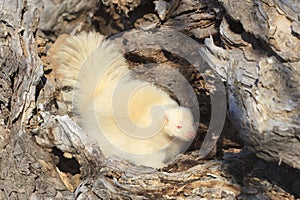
(66, 165)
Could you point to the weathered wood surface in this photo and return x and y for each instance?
(27, 170)
(261, 66)
(45, 154)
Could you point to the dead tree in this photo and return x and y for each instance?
(260, 64)
(45, 154)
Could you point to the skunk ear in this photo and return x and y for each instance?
(166, 118)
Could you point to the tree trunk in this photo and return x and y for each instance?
(45, 154)
(262, 73)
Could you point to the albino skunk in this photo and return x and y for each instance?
(131, 119)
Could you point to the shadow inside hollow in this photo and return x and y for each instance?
(255, 174)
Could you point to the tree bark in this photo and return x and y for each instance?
(262, 73)
(27, 170)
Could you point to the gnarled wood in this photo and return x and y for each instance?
(45, 154)
(262, 74)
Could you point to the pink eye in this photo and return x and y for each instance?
(178, 126)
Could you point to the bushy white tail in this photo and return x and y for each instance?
(88, 63)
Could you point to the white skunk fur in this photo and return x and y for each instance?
(131, 119)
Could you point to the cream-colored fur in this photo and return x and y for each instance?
(131, 119)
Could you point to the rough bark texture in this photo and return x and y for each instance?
(45, 154)
(27, 170)
(262, 73)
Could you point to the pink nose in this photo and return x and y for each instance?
(191, 134)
